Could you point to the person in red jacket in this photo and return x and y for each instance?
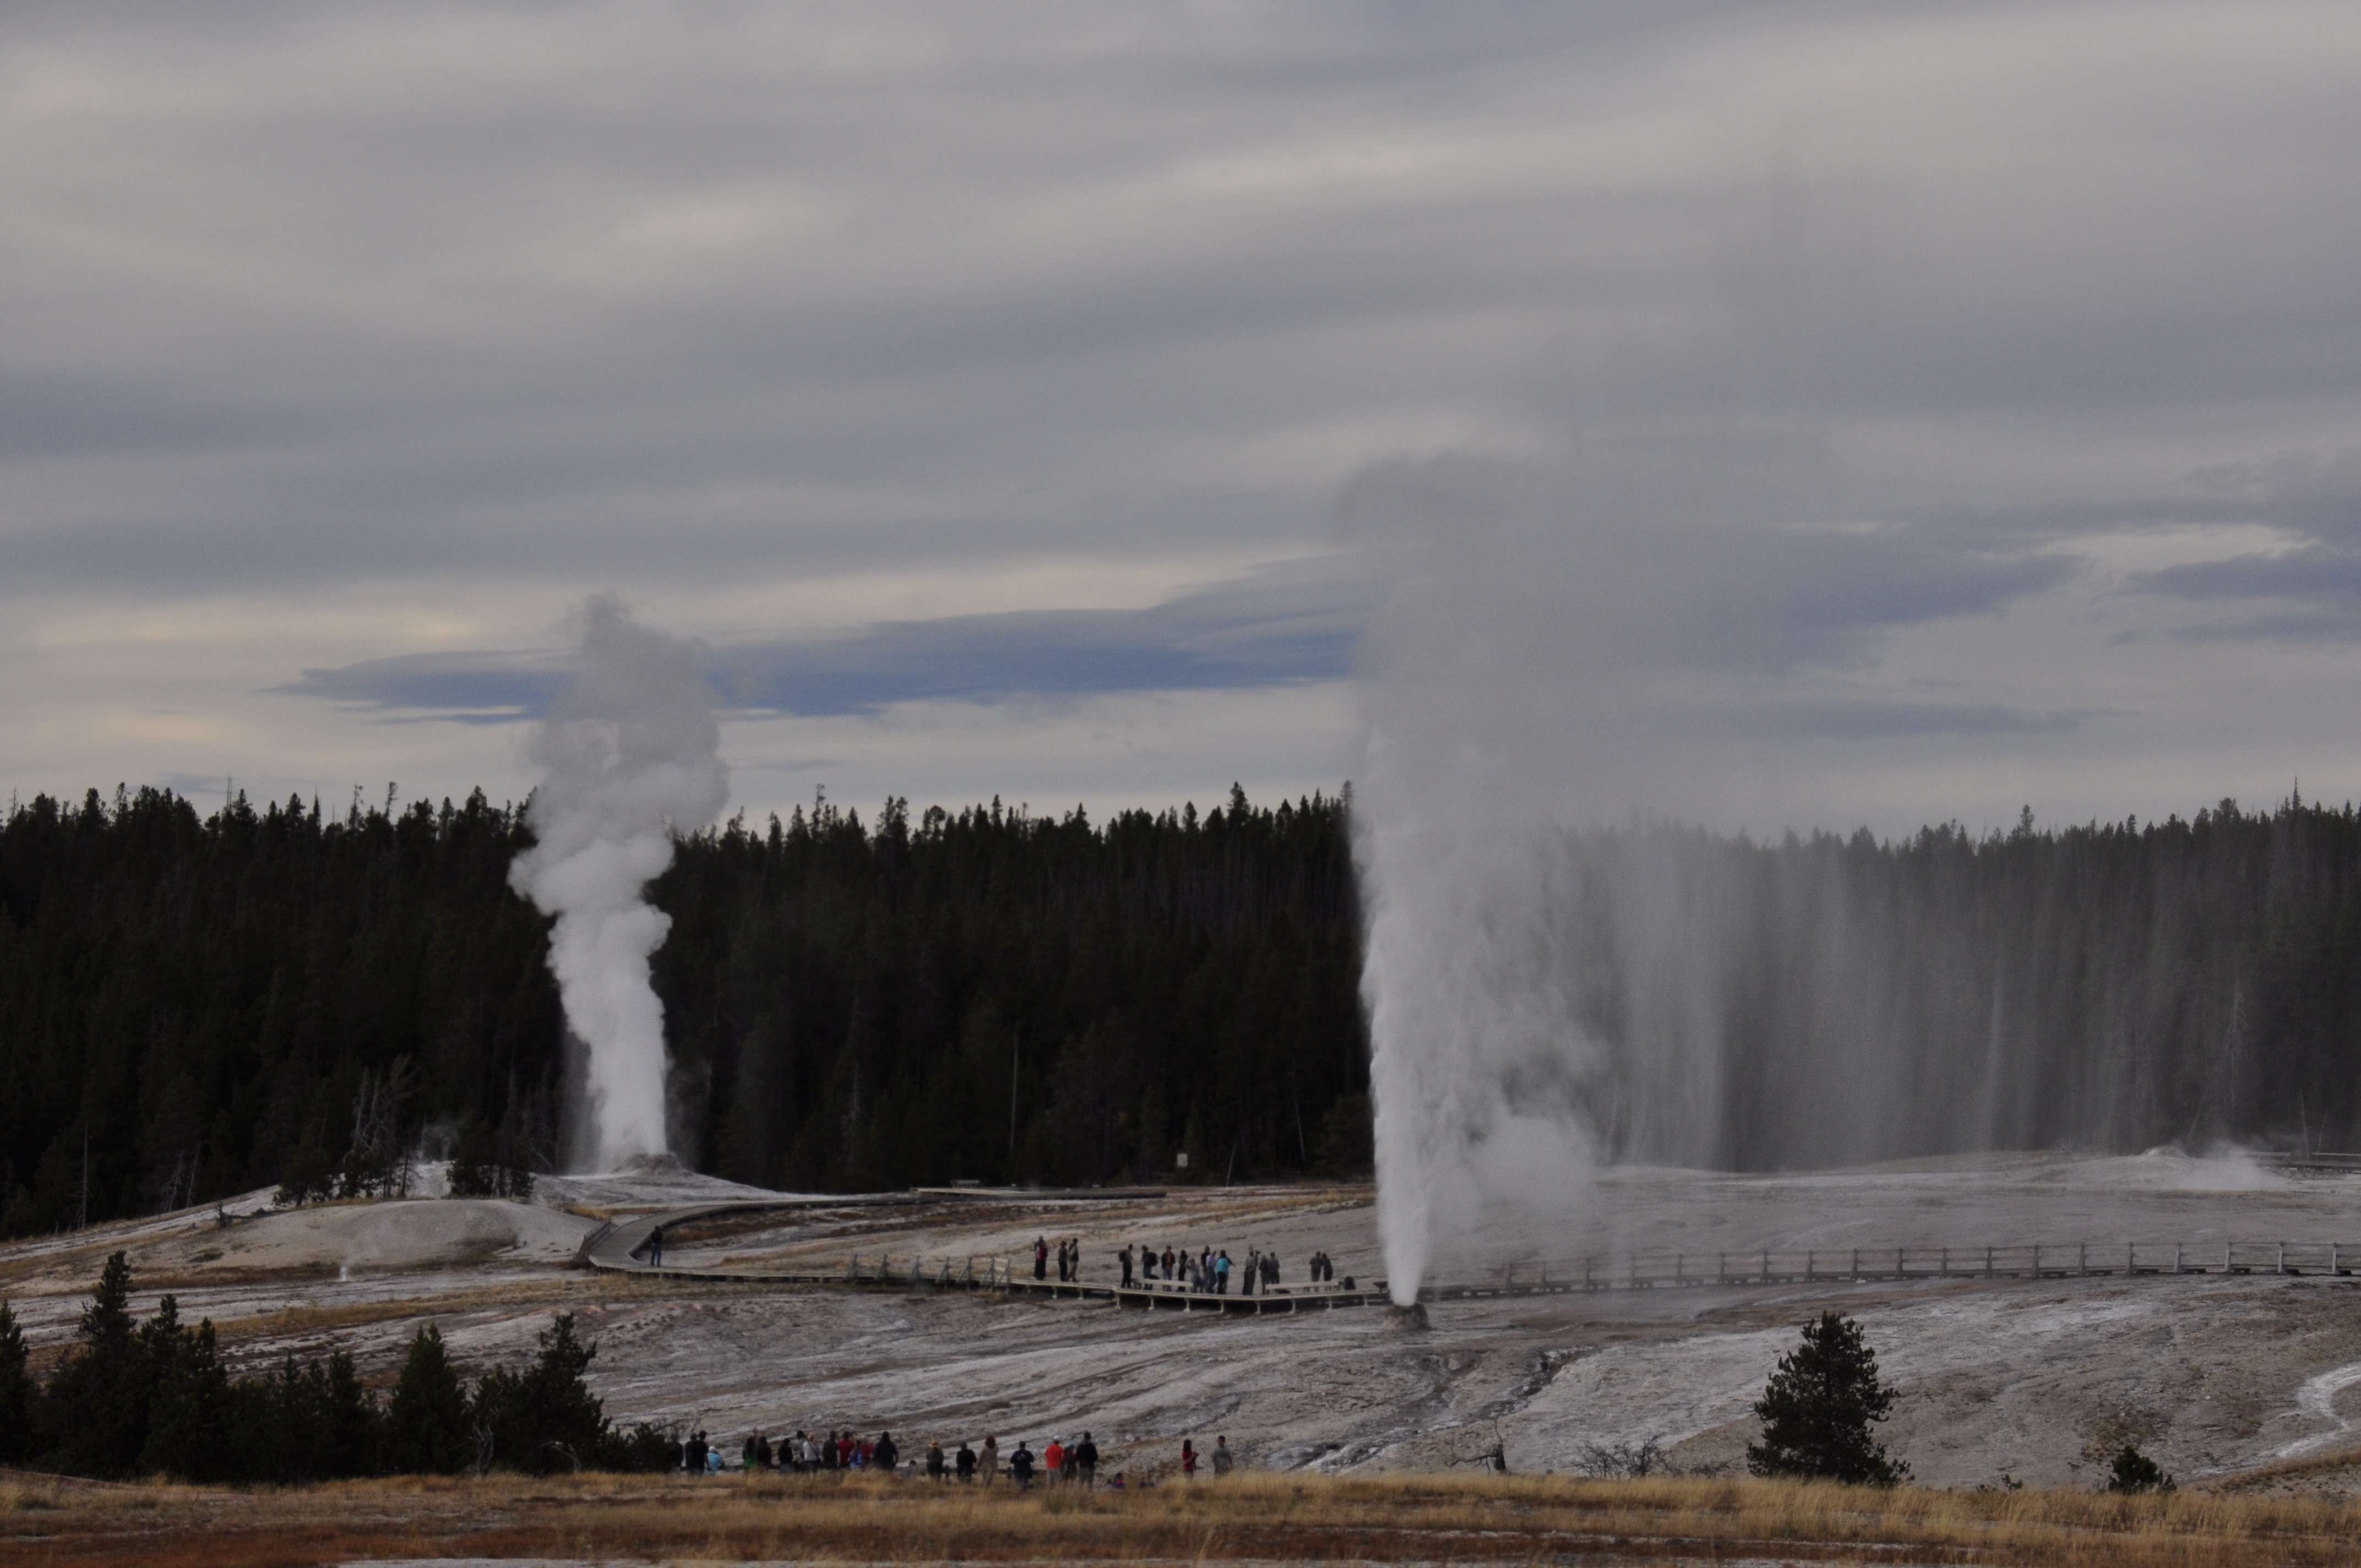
(1188, 1459)
(1053, 1459)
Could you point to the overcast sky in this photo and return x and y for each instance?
(1800, 414)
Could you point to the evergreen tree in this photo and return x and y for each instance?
(1819, 1407)
(17, 1392)
(426, 1421)
(192, 1420)
(545, 1419)
(94, 1410)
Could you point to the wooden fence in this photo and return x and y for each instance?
(2027, 1260)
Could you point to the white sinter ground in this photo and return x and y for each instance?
(2218, 1377)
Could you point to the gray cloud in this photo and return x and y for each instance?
(1281, 626)
(340, 335)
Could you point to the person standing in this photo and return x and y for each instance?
(990, 1464)
(1086, 1460)
(1020, 1466)
(1040, 1258)
(1053, 1459)
(1221, 1456)
(1222, 1274)
(695, 1461)
(963, 1463)
(1125, 1256)
(1188, 1460)
(1168, 1260)
(885, 1455)
(935, 1469)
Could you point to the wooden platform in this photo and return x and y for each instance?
(619, 1248)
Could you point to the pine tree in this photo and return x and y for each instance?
(1818, 1409)
(16, 1392)
(426, 1422)
(545, 1419)
(94, 1412)
(192, 1420)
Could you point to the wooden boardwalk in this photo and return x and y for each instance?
(621, 1248)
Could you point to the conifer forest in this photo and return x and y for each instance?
(201, 1005)
(195, 1005)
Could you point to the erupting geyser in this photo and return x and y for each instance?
(629, 753)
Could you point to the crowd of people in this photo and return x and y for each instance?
(1209, 1270)
(1058, 1462)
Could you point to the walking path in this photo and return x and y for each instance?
(619, 1248)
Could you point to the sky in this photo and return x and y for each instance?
(1793, 415)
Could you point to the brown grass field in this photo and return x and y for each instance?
(1250, 1518)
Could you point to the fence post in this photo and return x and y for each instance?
(1856, 1263)
(1721, 1268)
(1766, 1266)
(2037, 1260)
(1899, 1272)
(2082, 1257)
(1807, 1263)
(2282, 1257)
(1947, 1262)
(1988, 1263)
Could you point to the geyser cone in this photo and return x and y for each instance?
(1411, 1319)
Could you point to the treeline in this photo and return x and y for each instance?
(156, 1398)
(192, 1006)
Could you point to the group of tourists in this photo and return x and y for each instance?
(1209, 1272)
(1059, 1463)
(1069, 1259)
(806, 1452)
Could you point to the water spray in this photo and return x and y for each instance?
(629, 754)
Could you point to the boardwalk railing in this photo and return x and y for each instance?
(2028, 1260)
(885, 1268)
(624, 1246)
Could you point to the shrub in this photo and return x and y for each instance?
(2136, 1472)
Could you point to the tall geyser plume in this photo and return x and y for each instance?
(628, 753)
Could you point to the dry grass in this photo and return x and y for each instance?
(1265, 1518)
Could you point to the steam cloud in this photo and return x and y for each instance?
(1642, 627)
(628, 753)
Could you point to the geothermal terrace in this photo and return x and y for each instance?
(2041, 1372)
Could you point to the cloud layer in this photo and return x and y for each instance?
(1907, 413)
